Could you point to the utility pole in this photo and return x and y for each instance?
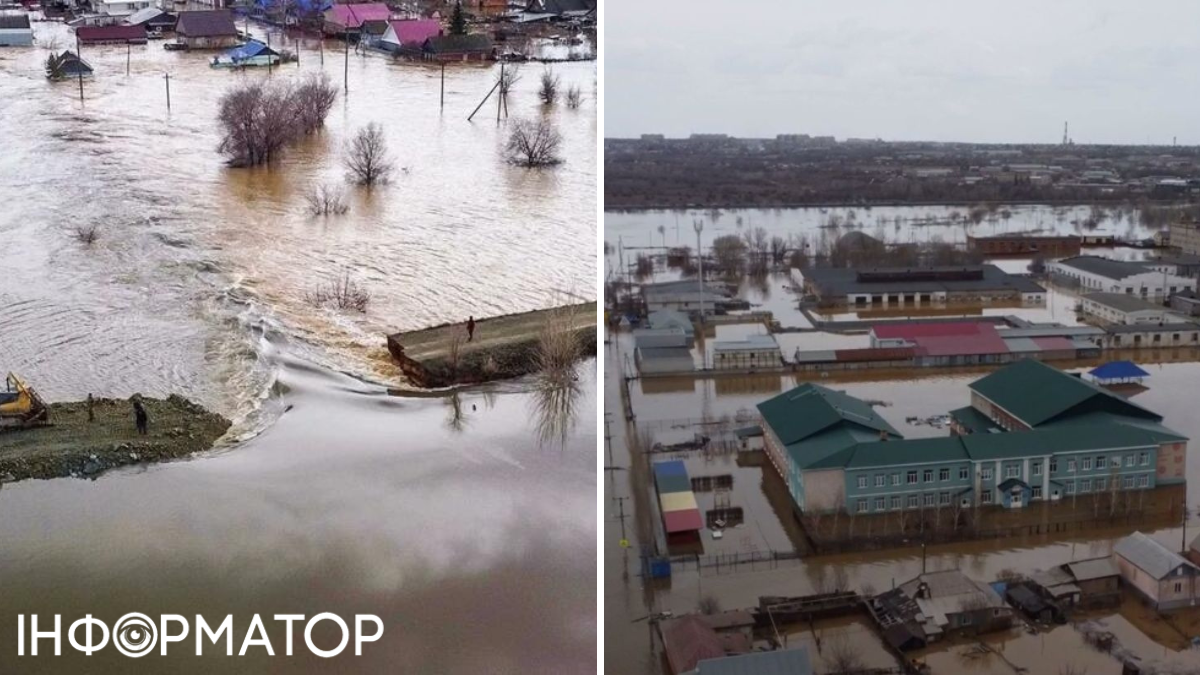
(167, 77)
(79, 69)
(621, 506)
(503, 93)
(268, 53)
(698, 225)
(443, 85)
(127, 49)
(346, 72)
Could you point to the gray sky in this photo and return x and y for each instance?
(1011, 71)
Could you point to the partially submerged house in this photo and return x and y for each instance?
(474, 47)
(207, 29)
(754, 352)
(936, 605)
(673, 319)
(690, 640)
(67, 65)
(15, 30)
(251, 54)
(408, 36)
(347, 20)
(153, 20)
(1161, 577)
(111, 35)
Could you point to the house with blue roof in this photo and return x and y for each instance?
(1032, 433)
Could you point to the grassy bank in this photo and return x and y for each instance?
(73, 446)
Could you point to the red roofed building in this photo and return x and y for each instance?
(343, 19)
(409, 35)
(949, 344)
(102, 35)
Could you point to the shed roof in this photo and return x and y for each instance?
(1117, 369)
(1150, 556)
(14, 21)
(778, 662)
(206, 23)
(112, 33)
(476, 42)
(1096, 568)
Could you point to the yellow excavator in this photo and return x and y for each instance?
(20, 405)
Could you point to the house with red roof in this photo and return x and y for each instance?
(408, 35)
(111, 35)
(348, 19)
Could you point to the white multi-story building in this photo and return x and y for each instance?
(1102, 275)
(122, 8)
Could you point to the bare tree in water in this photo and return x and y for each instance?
(367, 156)
(548, 91)
(326, 200)
(314, 98)
(842, 658)
(534, 144)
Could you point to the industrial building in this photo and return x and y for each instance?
(918, 286)
(1185, 236)
(15, 30)
(755, 352)
(1152, 336)
(1094, 274)
(688, 297)
(1028, 245)
(1121, 308)
(980, 342)
(1031, 433)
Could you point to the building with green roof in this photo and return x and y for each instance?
(1032, 433)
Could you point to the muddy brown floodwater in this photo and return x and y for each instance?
(668, 409)
(444, 515)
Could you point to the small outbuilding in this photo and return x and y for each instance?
(67, 65)
(206, 29)
(475, 47)
(111, 35)
(15, 30)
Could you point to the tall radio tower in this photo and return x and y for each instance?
(1066, 138)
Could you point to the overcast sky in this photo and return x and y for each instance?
(955, 70)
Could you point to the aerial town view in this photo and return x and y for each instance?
(298, 316)
(902, 341)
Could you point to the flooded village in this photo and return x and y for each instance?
(889, 439)
(234, 239)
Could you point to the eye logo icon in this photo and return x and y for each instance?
(135, 635)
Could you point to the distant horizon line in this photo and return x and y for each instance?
(877, 140)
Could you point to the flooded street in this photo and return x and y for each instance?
(672, 409)
(444, 515)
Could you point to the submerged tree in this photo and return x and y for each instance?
(367, 156)
(258, 120)
(458, 20)
(534, 144)
(548, 92)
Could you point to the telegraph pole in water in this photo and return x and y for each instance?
(167, 78)
(346, 73)
(443, 85)
(127, 48)
(79, 68)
